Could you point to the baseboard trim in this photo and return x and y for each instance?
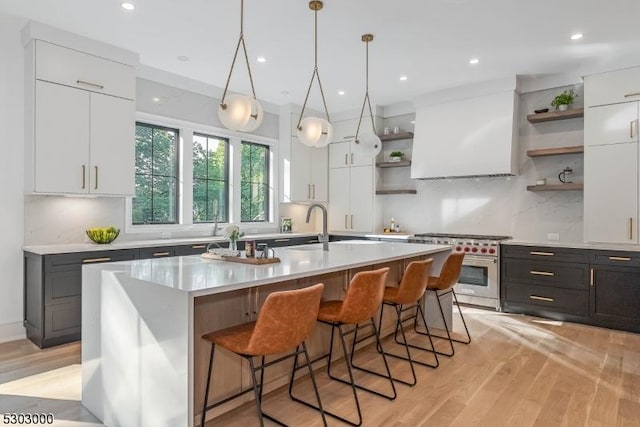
(12, 332)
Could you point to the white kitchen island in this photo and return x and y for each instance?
(143, 361)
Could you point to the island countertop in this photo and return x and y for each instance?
(198, 276)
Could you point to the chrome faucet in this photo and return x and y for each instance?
(324, 238)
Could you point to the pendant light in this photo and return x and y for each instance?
(315, 131)
(240, 112)
(367, 143)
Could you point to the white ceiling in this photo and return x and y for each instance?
(429, 41)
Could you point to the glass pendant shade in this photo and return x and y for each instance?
(368, 144)
(242, 113)
(315, 132)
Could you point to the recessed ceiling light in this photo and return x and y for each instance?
(576, 36)
(183, 58)
(284, 92)
(403, 78)
(155, 99)
(474, 61)
(262, 59)
(340, 92)
(127, 6)
(413, 122)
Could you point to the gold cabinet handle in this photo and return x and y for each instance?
(351, 158)
(542, 273)
(199, 247)
(86, 83)
(537, 298)
(629, 95)
(352, 221)
(161, 253)
(541, 253)
(631, 123)
(94, 260)
(308, 191)
(96, 186)
(314, 191)
(345, 222)
(346, 159)
(593, 270)
(84, 177)
(281, 240)
(619, 258)
(630, 228)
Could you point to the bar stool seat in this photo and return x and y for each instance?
(329, 311)
(235, 339)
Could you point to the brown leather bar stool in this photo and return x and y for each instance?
(361, 302)
(443, 285)
(407, 297)
(283, 324)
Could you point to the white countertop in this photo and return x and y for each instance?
(576, 245)
(198, 276)
(92, 247)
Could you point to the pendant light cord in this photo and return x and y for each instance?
(235, 55)
(366, 38)
(315, 74)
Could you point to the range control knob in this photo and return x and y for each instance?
(474, 249)
(458, 248)
(466, 249)
(483, 250)
(492, 251)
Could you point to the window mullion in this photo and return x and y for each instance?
(186, 176)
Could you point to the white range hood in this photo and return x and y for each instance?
(470, 131)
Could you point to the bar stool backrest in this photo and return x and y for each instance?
(285, 320)
(364, 296)
(414, 281)
(450, 272)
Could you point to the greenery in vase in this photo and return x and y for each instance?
(565, 98)
(233, 233)
(396, 154)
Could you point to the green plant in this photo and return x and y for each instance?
(396, 154)
(233, 232)
(565, 98)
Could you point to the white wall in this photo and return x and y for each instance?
(11, 176)
(502, 205)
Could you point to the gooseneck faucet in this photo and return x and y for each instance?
(324, 238)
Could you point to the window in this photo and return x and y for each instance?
(254, 185)
(210, 178)
(156, 200)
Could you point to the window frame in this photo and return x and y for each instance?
(227, 195)
(267, 171)
(186, 224)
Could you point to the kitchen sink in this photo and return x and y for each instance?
(356, 242)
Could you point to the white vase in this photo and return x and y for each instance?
(563, 107)
(233, 245)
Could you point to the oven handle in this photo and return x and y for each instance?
(477, 261)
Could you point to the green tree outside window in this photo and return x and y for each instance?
(210, 178)
(254, 185)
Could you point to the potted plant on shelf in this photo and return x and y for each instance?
(564, 100)
(396, 156)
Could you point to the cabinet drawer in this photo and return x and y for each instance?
(77, 69)
(556, 274)
(616, 258)
(62, 319)
(158, 252)
(68, 261)
(612, 87)
(563, 300)
(193, 249)
(545, 253)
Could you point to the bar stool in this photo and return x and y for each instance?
(361, 302)
(443, 285)
(407, 297)
(283, 324)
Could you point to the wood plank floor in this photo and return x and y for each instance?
(519, 371)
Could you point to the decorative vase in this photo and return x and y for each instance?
(233, 245)
(563, 107)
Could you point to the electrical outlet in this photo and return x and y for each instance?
(553, 236)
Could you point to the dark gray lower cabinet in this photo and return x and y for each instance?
(53, 293)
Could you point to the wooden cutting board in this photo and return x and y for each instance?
(242, 260)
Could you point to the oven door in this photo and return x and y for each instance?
(479, 277)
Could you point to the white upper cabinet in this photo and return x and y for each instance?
(612, 87)
(611, 124)
(308, 175)
(80, 123)
(342, 155)
(344, 130)
(352, 200)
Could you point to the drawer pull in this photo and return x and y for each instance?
(619, 258)
(84, 177)
(96, 85)
(542, 273)
(281, 240)
(541, 253)
(537, 298)
(592, 276)
(92, 260)
(161, 253)
(629, 95)
(199, 247)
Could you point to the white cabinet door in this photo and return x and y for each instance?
(339, 195)
(339, 155)
(299, 184)
(612, 87)
(359, 159)
(62, 139)
(611, 193)
(361, 199)
(319, 171)
(611, 124)
(112, 148)
(344, 130)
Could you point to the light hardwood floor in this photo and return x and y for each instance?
(518, 371)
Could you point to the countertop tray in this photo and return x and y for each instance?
(242, 260)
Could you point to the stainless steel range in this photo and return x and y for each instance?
(479, 282)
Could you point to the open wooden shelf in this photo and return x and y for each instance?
(396, 136)
(556, 187)
(400, 164)
(556, 115)
(577, 149)
(405, 191)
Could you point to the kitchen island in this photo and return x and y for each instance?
(143, 361)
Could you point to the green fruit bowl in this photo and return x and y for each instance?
(103, 235)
